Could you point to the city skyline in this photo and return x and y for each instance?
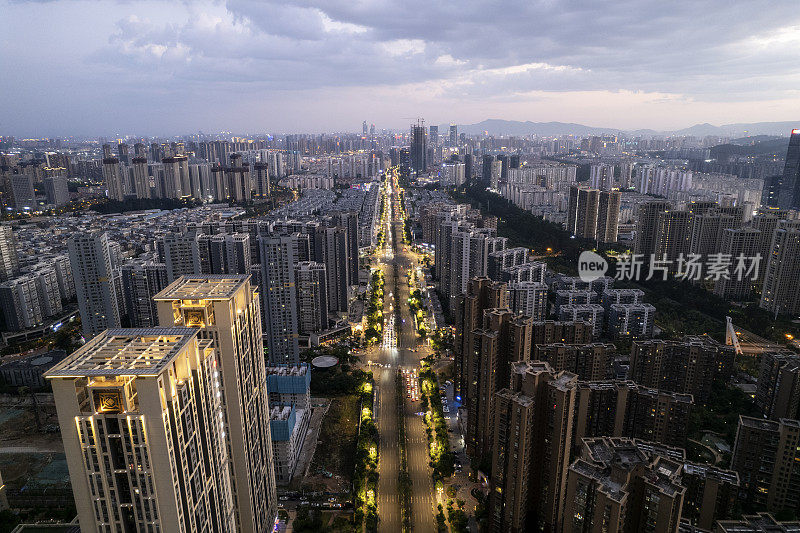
(157, 68)
(421, 289)
(385, 266)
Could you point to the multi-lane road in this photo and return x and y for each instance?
(400, 348)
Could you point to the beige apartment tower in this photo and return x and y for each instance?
(143, 432)
(225, 309)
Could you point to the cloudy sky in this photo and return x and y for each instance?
(130, 67)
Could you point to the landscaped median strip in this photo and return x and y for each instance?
(375, 308)
(403, 478)
(441, 458)
(365, 478)
(415, 304)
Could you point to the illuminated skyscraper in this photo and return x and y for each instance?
(144, 432)
(225, 308)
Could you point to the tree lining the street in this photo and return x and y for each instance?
(374, 328)
(441, 458)
(365, 476)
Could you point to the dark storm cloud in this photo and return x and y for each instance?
(179, 55)
(689, 47)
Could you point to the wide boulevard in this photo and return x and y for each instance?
(400, 348)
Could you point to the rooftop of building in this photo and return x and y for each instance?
(568, 292)
(578, 347)
(525, 266)
(612, 489)
(664, 472)
(47, 528)
(517, 397)
(583, 307)
(509, 251)
(520, 367)
(527, 285)
(761, 522)
(632, 307)
(696, 340)
(629, 451)
(622, 451)
(603, 454)
(709, 471)
(603, 385)
(623, 291)
(121, 352)
(758, 423)
(675, 396)
(297, 370)
(37, 360)
(280, 412)
(562, 322)
(205, 287)
(565, 380)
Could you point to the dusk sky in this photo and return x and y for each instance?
(71, 67)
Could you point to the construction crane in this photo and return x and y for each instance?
(420, 120)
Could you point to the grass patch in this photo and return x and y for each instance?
(337, 438)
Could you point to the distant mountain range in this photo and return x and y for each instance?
(514, 127)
